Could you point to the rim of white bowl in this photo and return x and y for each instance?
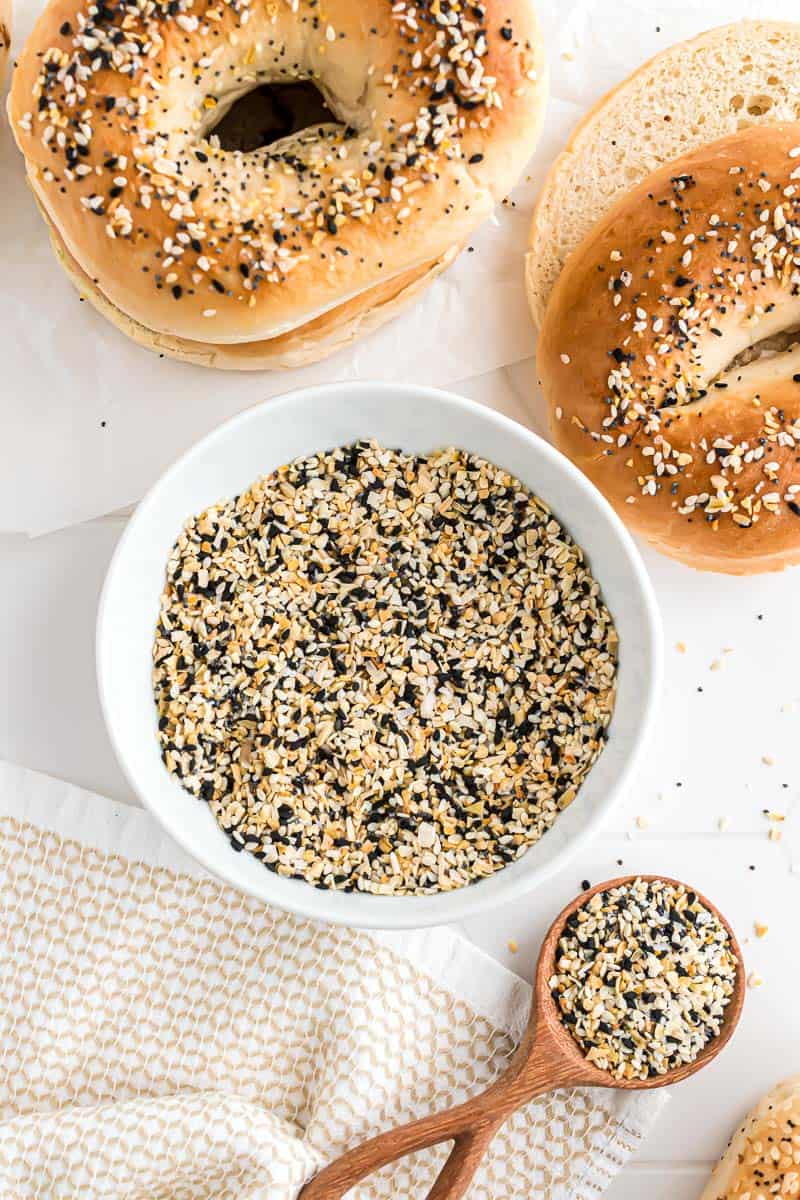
(402, 912)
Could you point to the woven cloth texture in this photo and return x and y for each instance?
(164, 1037)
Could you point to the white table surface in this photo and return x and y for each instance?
(726, 746)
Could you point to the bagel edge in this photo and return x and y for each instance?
(326, 335)
(749, 1166)
(686, 95)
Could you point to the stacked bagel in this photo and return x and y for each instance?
(278, 255)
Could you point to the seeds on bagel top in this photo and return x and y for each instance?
(695, 277)
(383, 671)
(117, 127)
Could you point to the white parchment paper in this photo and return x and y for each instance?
(88, 420)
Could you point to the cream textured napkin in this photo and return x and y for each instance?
(163, 1037)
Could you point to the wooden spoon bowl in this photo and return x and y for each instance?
(548, 1057)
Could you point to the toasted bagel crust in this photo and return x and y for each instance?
(639, 350)
(763, 1156)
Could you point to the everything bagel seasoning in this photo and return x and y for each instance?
(383, 671)
(644, 973)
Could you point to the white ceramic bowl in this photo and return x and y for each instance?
(416, 419)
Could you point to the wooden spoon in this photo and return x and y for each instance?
(547, 1058)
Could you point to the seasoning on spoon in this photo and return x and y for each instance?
(644, 972)
(547, 1057)
(383, 671)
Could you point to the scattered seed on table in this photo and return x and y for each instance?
(643, 975)
(383, 671)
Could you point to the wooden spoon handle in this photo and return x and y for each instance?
(534, 1069)
(464, 1160)
(468, 1124)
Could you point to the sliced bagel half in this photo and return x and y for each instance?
(694, 92)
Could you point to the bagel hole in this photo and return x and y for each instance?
(781, 342)
(271, 112)
(768, 347)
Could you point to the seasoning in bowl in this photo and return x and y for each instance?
(644, 973)
(383, 671)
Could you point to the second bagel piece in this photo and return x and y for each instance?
(689, 94)
(669, 354)
(763, 1157)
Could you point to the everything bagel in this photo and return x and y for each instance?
(670, 354)
(437, 106)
